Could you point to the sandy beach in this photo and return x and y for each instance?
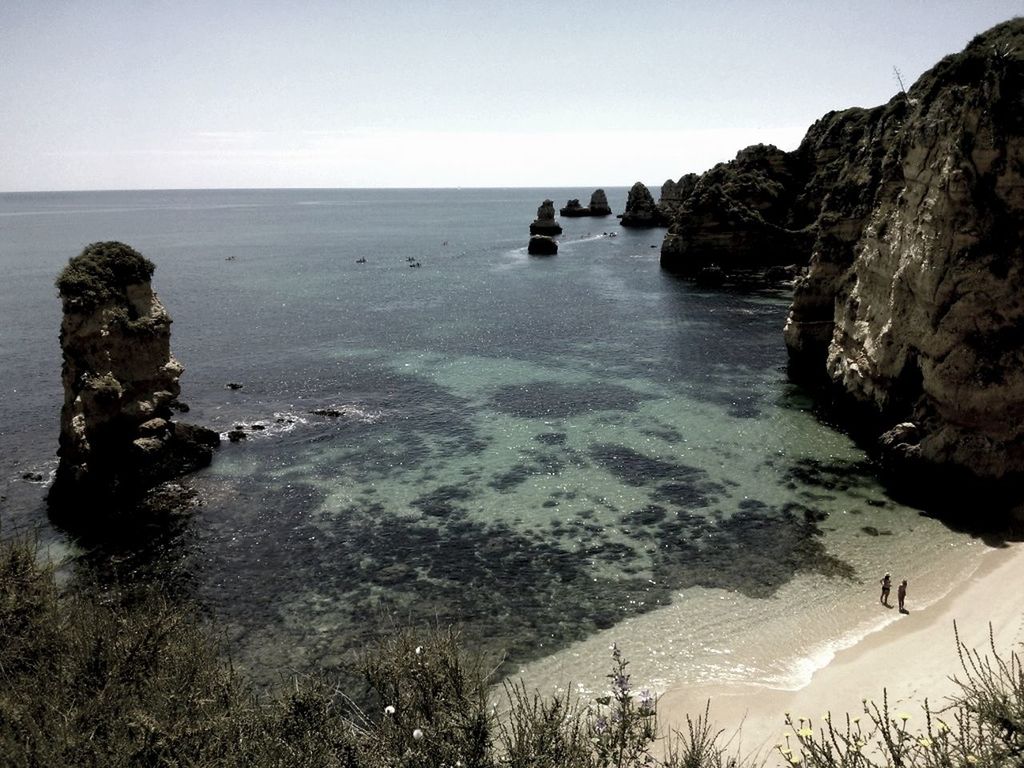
(911, 659)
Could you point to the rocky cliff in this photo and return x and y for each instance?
(545, 223)
(117, 438)
(913, 305)
(599, 204)
(641, 210)
(743, 215)
(675, 193)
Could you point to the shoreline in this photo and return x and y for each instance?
(911, 658)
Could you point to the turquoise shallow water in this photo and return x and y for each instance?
(549, 452)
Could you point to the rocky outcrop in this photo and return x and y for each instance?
(542, 245)
(913, 305)
(675, 193)
(573, 209)
(545, 223)
(745, 215)
(641, 210)
(117, 437)
(599, 204)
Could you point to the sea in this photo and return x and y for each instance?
(552, 454)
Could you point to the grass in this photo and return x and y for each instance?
(90, 677)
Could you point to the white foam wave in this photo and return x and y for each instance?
(284, 422)
(351, 413)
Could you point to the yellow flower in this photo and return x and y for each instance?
(925, 742)
(805, 733)
(972, 760)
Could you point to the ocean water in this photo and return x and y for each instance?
(553, 453)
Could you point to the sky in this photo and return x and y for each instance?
(148, 94)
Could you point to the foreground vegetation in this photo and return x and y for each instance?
(92, 678)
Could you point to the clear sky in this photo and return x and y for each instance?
(145, 94)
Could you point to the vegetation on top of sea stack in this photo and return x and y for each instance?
(101, 272)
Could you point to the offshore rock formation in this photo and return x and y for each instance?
(913, 306)
(117, 439)
(675, 193)
(545, 223)
(542, 245)
(599, 204)
(751, 213)
(641, 210)
(573, 208)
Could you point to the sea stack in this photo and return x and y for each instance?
(913, 305)
(641, 210)
(542, 245)
(545, 223)
(117, 438)
(599, 204)
(573, 209)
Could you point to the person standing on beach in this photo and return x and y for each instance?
(901, 595)
(886, 584)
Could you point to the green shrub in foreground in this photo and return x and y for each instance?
(89, 678)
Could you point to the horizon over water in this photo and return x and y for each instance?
(554, 453)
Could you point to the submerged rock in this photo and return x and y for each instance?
(545, 223)
(117, 437)
(641, 210)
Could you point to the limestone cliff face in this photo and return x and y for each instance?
(847, 151)
(913, 305)
(117, 438)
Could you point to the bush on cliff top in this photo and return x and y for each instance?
(100, 273)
